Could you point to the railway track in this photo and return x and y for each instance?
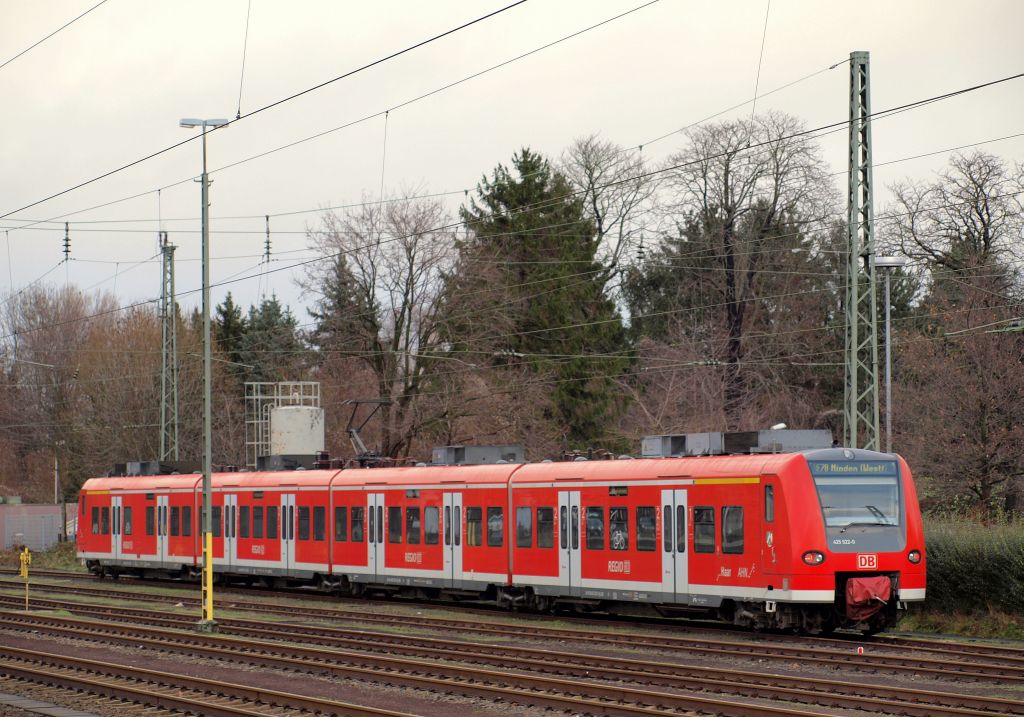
(264, 640)
(169, 691)
(937, 662)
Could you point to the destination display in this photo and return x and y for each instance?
(821, 469)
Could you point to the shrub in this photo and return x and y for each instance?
(975, 567)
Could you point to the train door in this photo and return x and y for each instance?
(288, 531)
(375, 533)
(569, 573)
(161, 528)
(230, 529)
(675, 567)
(453, 538)
(115, 526)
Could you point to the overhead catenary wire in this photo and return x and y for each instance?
(273, 104)
(245, 48)
(40, 42)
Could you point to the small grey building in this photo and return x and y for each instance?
(37, 526)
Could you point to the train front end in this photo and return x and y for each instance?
(872, 543)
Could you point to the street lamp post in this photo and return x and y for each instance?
(207, 624)
(888, 264)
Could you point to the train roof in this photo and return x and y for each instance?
(654, 468)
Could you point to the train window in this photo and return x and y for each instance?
(563, 534)
(732, 529)
(186, 520)
(681, 529)
(769, 503)
(474, 527)
(618, 528)
(380, 524)
(175, 520)
(128, 520)
(646, 528)
(257, 521)
(412, 526)
(595, 528)
(243, 521)
(524, 527)
(373, 523)
(575, 527)
(272, 522)
(357, 524)
(457, 525)
(703, 529)
(215, 518)
(394, 524)
(340, 524)
(117, 520)
(447, 525)
(150, 520)
(431, 518)
(319, 523)
(495, 527)
(105, 521)
(545, 527)
(303, 522)
(666, 527)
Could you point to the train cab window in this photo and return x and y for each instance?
(303, 522)
(105, 521)
(128, 520)
(95, 521)
(447, 525)
(357, 524)
(681, 529)
(769, 503)
(474, 527)
(319, 523)
(563, 515)
(395, 524)
(175, 520)
(431, 521)
(618, 528)
(412, 526)
(545, 527)
(666, 527)
(703, 529)
(495, 527)
(646, 528)
(186, 520)
(524, 527)
(595, 528)
(257, 521)
(340, 524)
(216, 520)
(732, 529)
(243, 521)
(150, 520)
(272, 522)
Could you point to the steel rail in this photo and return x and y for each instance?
(893, 700)
(944, 666)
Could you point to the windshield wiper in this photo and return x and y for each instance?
(862, 523)
(879, 514)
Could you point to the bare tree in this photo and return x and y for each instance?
(746, 192)
(970, 216)
(618, 192)
(377, 300)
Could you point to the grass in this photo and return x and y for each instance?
(60, 557)
(991, 624)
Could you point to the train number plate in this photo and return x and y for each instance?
(867, 561)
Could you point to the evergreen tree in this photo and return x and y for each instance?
(228, 330)
(271, 344)
(531, 256)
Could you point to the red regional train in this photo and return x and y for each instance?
(809, 541)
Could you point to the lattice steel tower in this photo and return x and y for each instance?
(861, 395)
(169, 365)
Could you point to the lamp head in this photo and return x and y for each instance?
(193, 122)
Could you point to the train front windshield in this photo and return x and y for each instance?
(857, 492)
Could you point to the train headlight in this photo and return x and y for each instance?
(814, 557)
(914, 556)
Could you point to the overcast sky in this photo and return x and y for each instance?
(110, 89)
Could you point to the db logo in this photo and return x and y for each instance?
(867, 561)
